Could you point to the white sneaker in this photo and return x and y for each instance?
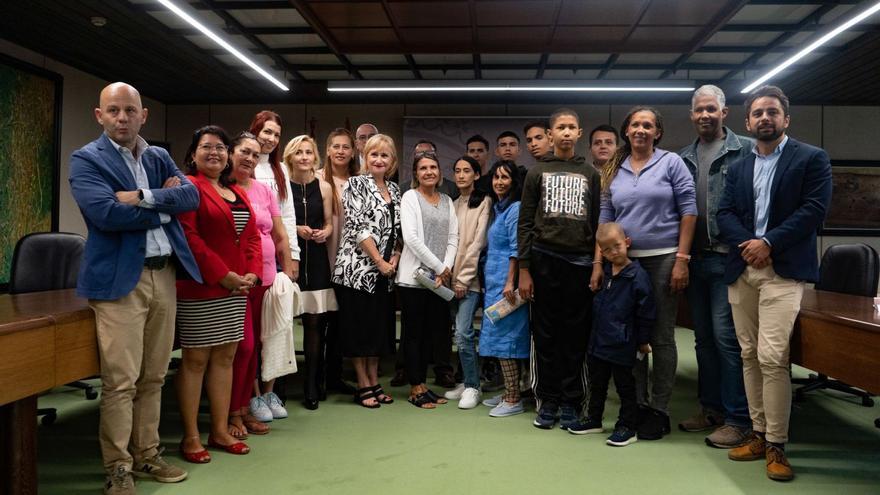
(470, 398)
(260, 410)
(275, 405)
(493, 401)
(505, 409)
(455, 393)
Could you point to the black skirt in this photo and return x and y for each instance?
(364, 320)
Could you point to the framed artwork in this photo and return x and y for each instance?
(855, 199)
(30, 131)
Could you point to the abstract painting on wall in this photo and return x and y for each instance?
(30, 103)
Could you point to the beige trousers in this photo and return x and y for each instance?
(135, 336)
(764, 307)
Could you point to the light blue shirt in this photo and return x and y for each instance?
(157, 241)
(765, 169)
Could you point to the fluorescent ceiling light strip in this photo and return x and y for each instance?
(812, 46)
(220, 41)
(508, 88)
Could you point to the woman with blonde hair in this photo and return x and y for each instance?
(369, 251)
(313, 202)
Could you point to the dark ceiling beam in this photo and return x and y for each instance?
(410, 61)
(475, 40)
(542, 66)
(545, 56)
(234, 24)
(263, 5)
(718, 22)
(609, 63)
(309, 15)
(755, 57)
(254, 30)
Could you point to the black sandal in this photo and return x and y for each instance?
(421, 400)
(380, 395)
(364, 394)
(436, 399)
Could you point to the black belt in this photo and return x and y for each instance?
(156, 262)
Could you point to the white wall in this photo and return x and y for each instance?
(78, 124)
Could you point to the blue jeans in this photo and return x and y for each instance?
(719, 360)
(465, 339)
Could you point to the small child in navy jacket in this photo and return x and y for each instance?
(623, 316)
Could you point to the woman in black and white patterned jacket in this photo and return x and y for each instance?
(369, 251)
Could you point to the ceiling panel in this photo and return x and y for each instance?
(387, 74)
(772, 14)
(508, 74)
(374, 58)
(681, 12)
(447, 58)
(428, 14)
(568, 74)
(269, 18)
(510, 58)
(647, 58)
(579, 12)
(350, 14)
(515, 13)
(290, 40)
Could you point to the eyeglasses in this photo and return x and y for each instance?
(219, 148)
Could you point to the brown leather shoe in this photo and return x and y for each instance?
(778, 468)
(752, 450)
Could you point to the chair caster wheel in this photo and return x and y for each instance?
(867, 402)
(91, 394)
(49, 418)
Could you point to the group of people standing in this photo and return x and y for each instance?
(589, 258)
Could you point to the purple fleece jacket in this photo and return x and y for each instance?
(649, 206)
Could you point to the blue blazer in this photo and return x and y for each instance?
(800, 195)
(116, 244)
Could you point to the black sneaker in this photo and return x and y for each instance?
(653, 424)
(567, 416)
(546, 417)
(621, 437)
(586, 425)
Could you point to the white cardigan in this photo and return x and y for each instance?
(415, 252)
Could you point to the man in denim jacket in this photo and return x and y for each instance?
(723, 405)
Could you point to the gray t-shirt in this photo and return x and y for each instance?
(706, 154)
(435, 224)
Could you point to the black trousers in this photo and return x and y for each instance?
(425, 317)
(601, 372)
(561, 322)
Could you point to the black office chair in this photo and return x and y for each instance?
(48, 261)
(849, 269)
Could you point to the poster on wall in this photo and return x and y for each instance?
(30, 103)
(450, 134)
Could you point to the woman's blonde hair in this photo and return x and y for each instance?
(293, 146)
(382, 140)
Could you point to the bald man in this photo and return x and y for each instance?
(129, 193)
(362, 134)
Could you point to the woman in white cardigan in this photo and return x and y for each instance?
(430, 236)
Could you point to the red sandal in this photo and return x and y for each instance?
(237, 448)
(199, 457)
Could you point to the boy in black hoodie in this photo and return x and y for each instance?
(558, 217)
(623, 316)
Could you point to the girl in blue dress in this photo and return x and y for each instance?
(508, 338)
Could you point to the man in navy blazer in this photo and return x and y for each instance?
(128, 193)
(774, 202)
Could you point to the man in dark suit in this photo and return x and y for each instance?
(128, 193)
(774, 202)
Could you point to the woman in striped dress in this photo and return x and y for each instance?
(225, 242)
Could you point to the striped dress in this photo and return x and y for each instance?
(210, 322)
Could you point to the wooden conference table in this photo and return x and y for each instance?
(47, 339)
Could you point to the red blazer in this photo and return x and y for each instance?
(210, 233)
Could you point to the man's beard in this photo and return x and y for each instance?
(762, 135)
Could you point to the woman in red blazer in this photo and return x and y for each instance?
(225, 242)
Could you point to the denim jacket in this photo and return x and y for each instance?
(735, 148)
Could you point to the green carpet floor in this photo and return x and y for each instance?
(345, 449)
